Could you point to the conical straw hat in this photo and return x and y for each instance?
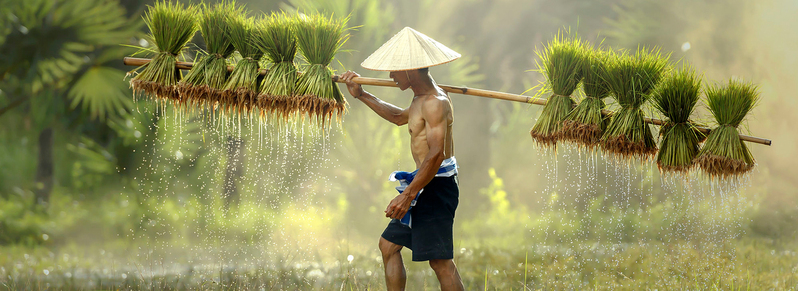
(409, 50)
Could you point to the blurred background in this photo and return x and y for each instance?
(98, 191)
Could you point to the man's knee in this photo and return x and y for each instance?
(388, 248)
(445, 266)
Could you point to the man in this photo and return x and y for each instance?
(426, 227)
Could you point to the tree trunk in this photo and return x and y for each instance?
(44, 171)
(235, 164)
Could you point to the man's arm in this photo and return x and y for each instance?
(386, 110)
(435, 112)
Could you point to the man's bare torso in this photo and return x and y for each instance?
(416, 125)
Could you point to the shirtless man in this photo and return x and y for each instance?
(429, 120)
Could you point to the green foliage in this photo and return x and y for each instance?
(319, 38)
(561, 61)
(585, 123)
(631, 80)
(47, 41)
(211, 68)
(724, 154)
(101, 92)
(171, 27)
(276, 37)
(676, 98)
(242, 86)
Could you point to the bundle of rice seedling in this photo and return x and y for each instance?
(676, 98)
(724, 154)
(631, 80)
(241, 89)
(561, 62)
(276, 38)
(208, 76)
(585, 124)
(319, 39)
(171, 27)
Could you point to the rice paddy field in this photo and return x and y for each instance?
(269, 177)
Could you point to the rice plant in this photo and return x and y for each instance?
(241, 90)
(171, 27)
(204, 81)
(276, 38)
(631, 80)
(724, 154)
(676, 98)
(585, 124)
(319, 39)
(561, 63)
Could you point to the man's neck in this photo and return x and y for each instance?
(423, 84)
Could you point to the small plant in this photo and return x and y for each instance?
(561, 62)
(631, 80)
(724, 154)
(585, 124)
(276, 38)
(241, 89)
(676, 98)
(204, 81)
(171, 27)
(319, 39)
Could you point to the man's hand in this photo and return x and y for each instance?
(354, 88)
(399, 206)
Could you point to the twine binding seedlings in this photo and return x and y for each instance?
(560, 62)
(171, 27)
(584, 125)
(203, 83)
(241, 89)
(631, 80)
(276, 38)
(724, 154)
(676, 98)
(319, 38)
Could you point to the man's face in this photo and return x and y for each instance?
(400, 77)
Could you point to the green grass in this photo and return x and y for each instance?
(209, 74)
(319, 38)
(676, 98)
(561, 62)
(724, 154)
(171, 26)
(631, 79)
(740, 265)
(585, 123)
(241, 89)
(276, 37)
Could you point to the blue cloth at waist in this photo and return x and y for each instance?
(448, 168)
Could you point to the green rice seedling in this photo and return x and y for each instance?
(561, 63)
(241, 89)
(171, 27)
(276, 38)
(676, 98)
(204, 81)
(631, 80)
(319, 39)
(585, 124)
(724, 154)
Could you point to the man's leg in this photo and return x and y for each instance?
(395, 276)
(447, 274)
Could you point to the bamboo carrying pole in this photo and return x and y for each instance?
(454, 89)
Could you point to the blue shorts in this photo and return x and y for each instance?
(430, 238)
